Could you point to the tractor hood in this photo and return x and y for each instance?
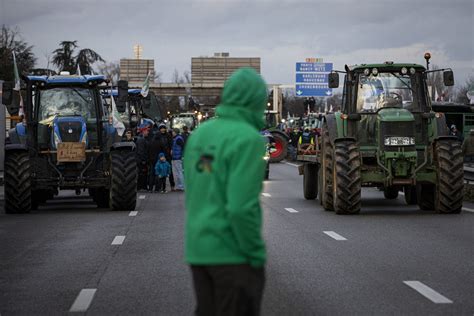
(395, 115)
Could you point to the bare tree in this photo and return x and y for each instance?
(461, 92)
(111, 70)
(10, 41)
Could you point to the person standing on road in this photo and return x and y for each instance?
(142, 157)
(177, 156)
(185, 133)
(164, 143)
(162, 172)
(224, 173)
(468, 147)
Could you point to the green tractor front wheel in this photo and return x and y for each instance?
(450, 175)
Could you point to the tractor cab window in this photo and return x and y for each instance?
(68, 101)
(385, 90)
(179, 122)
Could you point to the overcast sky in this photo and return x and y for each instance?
(281, 32)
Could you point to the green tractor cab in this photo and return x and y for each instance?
(387, 136)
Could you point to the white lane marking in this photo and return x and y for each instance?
(292, 164)
(133, 213)
(141, 197)
(334, 235)
(118, 240)
(83, 300)
(266, 194)
(428, 292)
(468, 209)
(291, 210)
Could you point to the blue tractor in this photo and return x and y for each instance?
(67, 141)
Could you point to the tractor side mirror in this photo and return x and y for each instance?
(11, 98)
(448, 78)
(122, 95)
(333, 80)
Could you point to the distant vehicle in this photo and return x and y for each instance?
(386, 136)
(461, 115)
(184, 119)
(67, 142)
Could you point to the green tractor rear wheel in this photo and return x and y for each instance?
(390, 193)
(325, 173)
(410, 195)
(347, 178)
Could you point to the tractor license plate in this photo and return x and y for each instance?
(71, 152)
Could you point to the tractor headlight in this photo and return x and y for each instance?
(266, 158)
(399, 141)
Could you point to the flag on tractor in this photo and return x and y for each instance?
(146, 86)
(116, 120)
(17, 86)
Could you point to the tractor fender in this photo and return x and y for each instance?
(331, 125)
(123, 146)
(280, 133)
(15, 147)
(441, 127)
(447, 138)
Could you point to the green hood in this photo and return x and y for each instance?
(244, 98)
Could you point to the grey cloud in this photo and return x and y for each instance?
(174, 31)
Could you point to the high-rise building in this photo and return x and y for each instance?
(216, 69)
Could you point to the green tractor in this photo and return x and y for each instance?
(387, 136)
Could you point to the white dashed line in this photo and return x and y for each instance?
(133, 213)
(334, 235)
(83, 301)
(118, 240)
(292, 164)
(428, 292)
(266, 194)
(468, 209)
(141, 197)
(291, 210)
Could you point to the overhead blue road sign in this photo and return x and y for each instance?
(312, 79)
(313, 90)
(313, 67)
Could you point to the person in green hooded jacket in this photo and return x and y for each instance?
(224, 169)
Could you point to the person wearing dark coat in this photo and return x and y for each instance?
(142, 157)
(185, 133)
(468, 147)
(160, 143)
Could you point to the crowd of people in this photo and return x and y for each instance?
(160, 157)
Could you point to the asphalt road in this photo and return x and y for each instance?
(390, 259)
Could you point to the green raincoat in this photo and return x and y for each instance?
(224, 170)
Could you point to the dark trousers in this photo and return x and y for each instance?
(142, 183)
(172, 184)
(160, 184)
(228, 289)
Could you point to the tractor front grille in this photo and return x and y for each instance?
(396, 129)
(70, 131)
